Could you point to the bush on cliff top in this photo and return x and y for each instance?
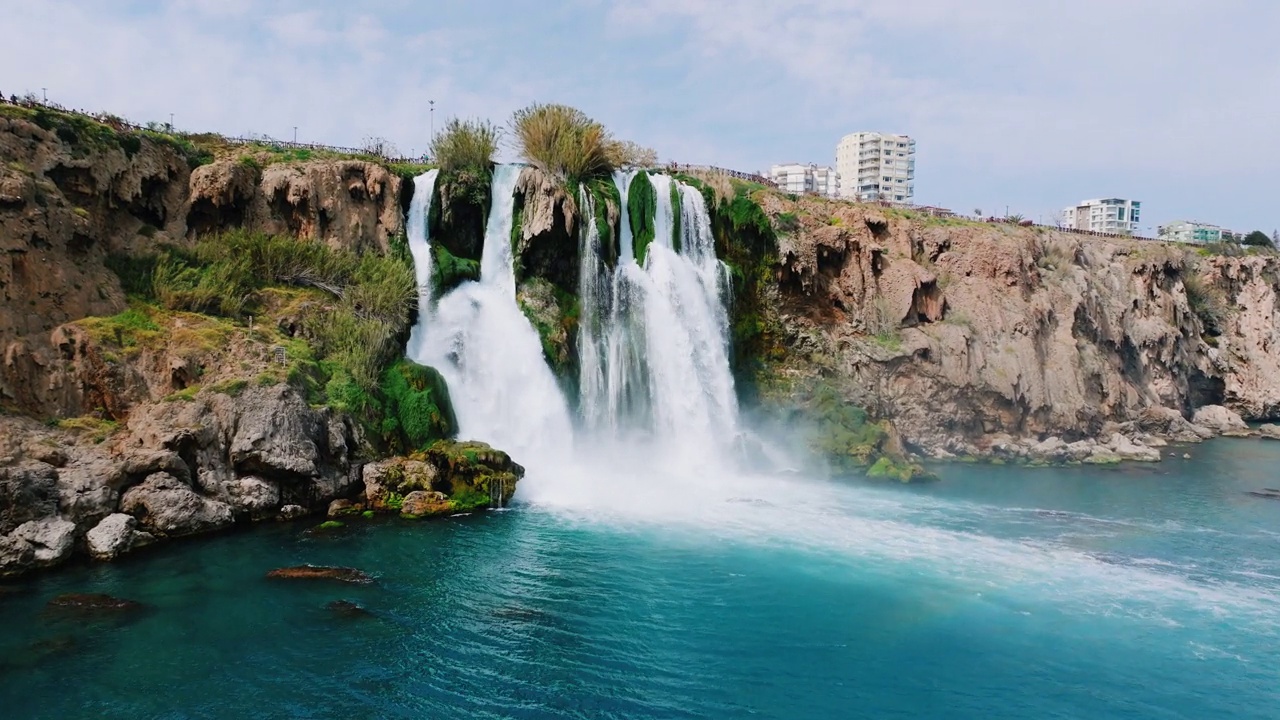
(563, 142)
(465, 145)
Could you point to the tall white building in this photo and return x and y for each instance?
(877, 166)
(1114, 216)
(800, 178)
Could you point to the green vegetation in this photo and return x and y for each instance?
(787, 222)
(186, 394)
(465, 146)
(745, 240)
(1206, 301)
(464, 150)
(563, 142)
(642, 207)
(676, 218)
(568, 145)
(331, 525)
(352, 311)
(95, 428)
(467, 499)
(417, 411)
(448, 271)
(85, 135)
(1257, 238)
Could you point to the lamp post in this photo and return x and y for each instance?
(170, 122)
(295, 134)
(432, 103)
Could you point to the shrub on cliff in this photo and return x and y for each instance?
(465, 145)
(563, 142)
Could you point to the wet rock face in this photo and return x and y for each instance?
(166, 506)
(27, 492)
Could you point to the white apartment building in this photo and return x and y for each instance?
(799, 178)
(1114, 216)
(1186, 231)
(877, 166)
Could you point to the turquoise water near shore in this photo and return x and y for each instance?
(1001, 592)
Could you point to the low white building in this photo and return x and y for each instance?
(799, 178)
(1114, 216)
(1196, 233)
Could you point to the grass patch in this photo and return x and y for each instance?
(95, 428)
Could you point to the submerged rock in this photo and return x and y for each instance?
(93, 603)
(1271, 493)
(348, 609)
(321, 572)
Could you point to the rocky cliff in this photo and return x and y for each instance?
(123, 423)
(979, 339)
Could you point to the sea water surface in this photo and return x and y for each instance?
(1138, 592)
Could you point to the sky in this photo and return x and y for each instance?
(1025, 105)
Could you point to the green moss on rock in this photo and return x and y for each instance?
(642, 207)
(418, 410)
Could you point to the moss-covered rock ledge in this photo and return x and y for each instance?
(448, 477)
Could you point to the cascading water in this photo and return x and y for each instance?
(424, 187)
(654, 339)
(489, 354)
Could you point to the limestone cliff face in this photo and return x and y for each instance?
(67, 205)
(62, 210)
(344, 203)
(963, 332)
(1250, 342)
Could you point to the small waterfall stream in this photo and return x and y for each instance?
(490, 355)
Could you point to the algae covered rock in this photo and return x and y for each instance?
(425, 503)
(470, 475)
(473, 474)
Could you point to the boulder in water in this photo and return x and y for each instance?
(423, 503)
(348, 609)
(1270, 493)
(321, 572)
(116, 535)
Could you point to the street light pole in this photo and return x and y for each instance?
(432, 103)
(170, 122)
(295, 134)
(44, 93)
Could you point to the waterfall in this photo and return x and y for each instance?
(424, 187)
(490, 355)
(653, 340)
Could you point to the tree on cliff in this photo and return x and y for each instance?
(1257, 238)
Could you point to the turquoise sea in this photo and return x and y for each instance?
(1000, 592)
